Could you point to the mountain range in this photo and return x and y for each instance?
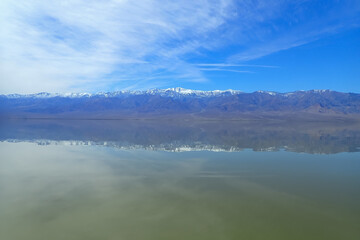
(182, 103)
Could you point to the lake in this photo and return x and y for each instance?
(143, 179)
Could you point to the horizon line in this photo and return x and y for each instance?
(175, 89)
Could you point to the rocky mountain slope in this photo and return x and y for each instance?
(176, 102)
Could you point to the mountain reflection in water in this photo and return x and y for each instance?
(128, 191)
(308, 137)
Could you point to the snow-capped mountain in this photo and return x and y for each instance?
(169, 92)
(175, 102)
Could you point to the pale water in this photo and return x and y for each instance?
(59, 182)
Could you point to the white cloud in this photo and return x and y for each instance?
(233, 65)
(65, 45)
(105, 45)
(224, 70)
(290, 24)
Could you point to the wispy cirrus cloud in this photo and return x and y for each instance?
(230, 67)
(62, 45)
(106, 45)
(233, 65)
(290, 24)
(224, 70)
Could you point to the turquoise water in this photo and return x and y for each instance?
(63, 189)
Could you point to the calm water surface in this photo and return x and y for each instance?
(56, 186)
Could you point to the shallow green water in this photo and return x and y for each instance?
(99, 192)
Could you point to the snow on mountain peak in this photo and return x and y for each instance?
(185, 91)
(169, 92)
(267, 92)
(321, 90)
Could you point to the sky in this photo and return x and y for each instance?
(110, 45)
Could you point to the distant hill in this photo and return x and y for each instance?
(179, 102)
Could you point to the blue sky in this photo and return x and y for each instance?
(92, 46)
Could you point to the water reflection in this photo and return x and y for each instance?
(58, 181)
(93, 192)
(308, 137)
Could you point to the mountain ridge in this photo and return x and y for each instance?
(169, 91)
(180, 103)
